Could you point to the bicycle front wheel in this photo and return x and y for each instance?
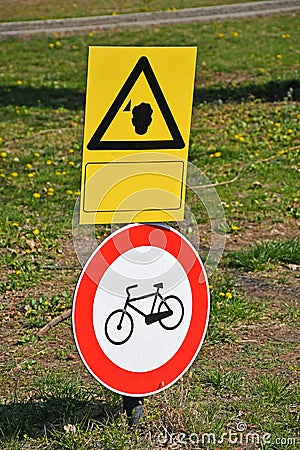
(118, 327)
(174, 304)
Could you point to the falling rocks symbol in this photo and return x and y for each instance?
(141, 116)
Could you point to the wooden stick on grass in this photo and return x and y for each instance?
(54, 322)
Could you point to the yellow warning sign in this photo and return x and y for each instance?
(137, 124)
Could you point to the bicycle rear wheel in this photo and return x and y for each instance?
(174, 304)
(118, 327)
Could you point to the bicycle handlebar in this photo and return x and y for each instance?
(130, 287)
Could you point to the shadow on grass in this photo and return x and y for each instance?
(268, 92)
(44, 97)
(73, 99)
(38, 418)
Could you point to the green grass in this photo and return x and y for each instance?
(221, 380)
(41, 310)
(56, 405)
(229, 310)
(266, 254)
(245, 133)
(39, 9)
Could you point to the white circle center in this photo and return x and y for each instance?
(140, 326)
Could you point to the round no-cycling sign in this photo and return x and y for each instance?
(141, 309)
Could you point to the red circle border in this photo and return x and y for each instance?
(100, 366)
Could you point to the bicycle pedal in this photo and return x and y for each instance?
(155, 317)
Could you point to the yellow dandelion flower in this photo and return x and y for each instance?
(15, 224)
(221, 294)
(27, 251)
(3, 155)
(278, 56)
(221, 35)
(58, 44)
(36, 231)
(15, 174)
(48, 162)
(235, 34)
(241, 139)
(211, 155)
(289, 130)
(19, 82)
(63, 172)
(57, 172)
(36, 195)
(29, 166)
(74, 47)
(281, 152)
(50, 189)
(218, 154)
(51, 45)
(18, 272)
(114, 13)
(71, 150)
(71, 163)
(36, 154)
(234, 227)
(69, 192)
(277, 124)
(31, 174)
(228, 295)
(91, 34)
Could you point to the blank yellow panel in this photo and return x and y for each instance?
(133, 186)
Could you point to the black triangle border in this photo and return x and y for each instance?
(142, 65)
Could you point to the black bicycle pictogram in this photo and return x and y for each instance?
(169, 313)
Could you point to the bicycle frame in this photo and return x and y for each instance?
(129, 300)
(158, 313)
